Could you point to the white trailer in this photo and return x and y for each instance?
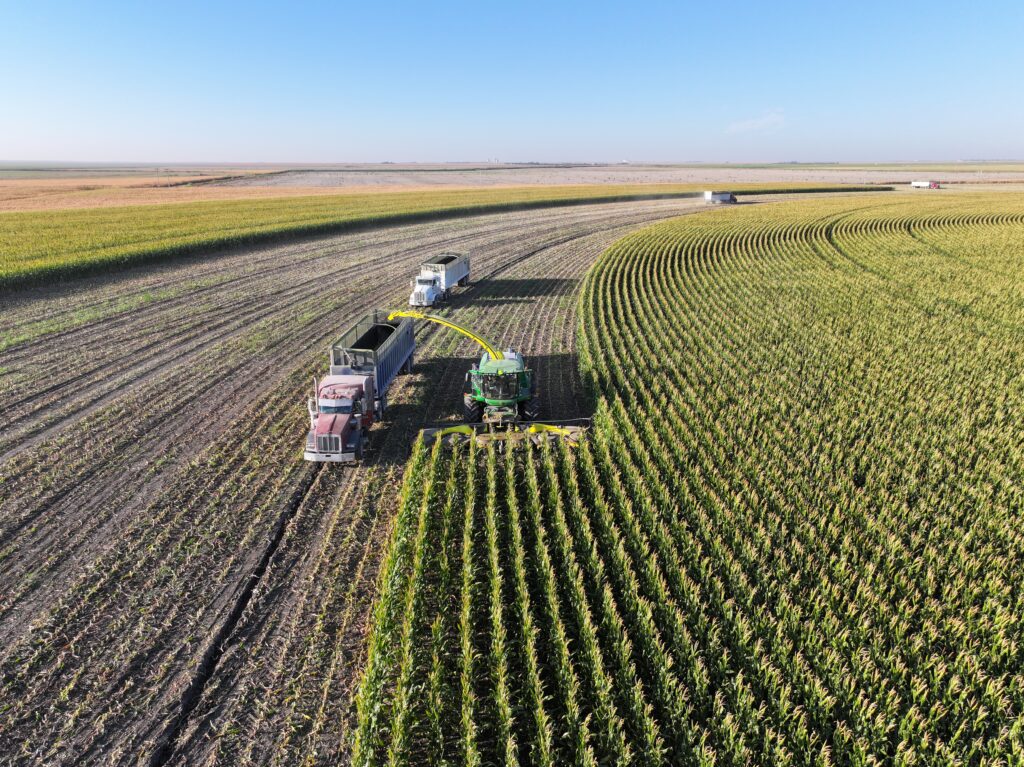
(924, 184)
(719, 198)
(437, 277)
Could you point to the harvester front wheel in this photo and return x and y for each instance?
(472, 411)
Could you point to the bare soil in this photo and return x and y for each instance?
(377, 177)
(103, 192)
(59, 189)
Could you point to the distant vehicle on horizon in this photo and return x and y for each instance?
(719, 198)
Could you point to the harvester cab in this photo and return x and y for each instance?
(500, 391)
(499, 400)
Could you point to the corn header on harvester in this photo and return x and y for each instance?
(500, 400)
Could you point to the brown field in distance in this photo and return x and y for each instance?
(60, 194)
(41, 188)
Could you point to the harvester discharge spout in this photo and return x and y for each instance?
(491, 350)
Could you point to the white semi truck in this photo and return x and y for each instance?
(437, 277)
(719, 198)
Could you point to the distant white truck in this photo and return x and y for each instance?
(925, 184)
(719, 198)
(437, 277)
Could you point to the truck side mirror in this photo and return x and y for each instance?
(311, 406)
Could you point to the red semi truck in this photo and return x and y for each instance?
(364, 362)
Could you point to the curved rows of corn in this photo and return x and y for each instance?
(794, 536)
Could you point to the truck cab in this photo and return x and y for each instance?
(437, 277)
(339, 415)
(425, 291)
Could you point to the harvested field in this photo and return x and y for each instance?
(177, 585)
(62, 194)
(76, 188)
(702, 175)
(732, 569)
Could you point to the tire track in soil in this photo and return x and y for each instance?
(166, 741)
(63, 668)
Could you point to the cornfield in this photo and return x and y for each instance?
(792, 537)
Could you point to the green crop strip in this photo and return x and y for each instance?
(793, 535)
(44, 247)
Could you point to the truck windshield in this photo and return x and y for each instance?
(335, 409)
(424, 281)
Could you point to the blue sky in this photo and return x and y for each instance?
(574, 81)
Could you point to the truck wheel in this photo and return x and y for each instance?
(472, 411)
